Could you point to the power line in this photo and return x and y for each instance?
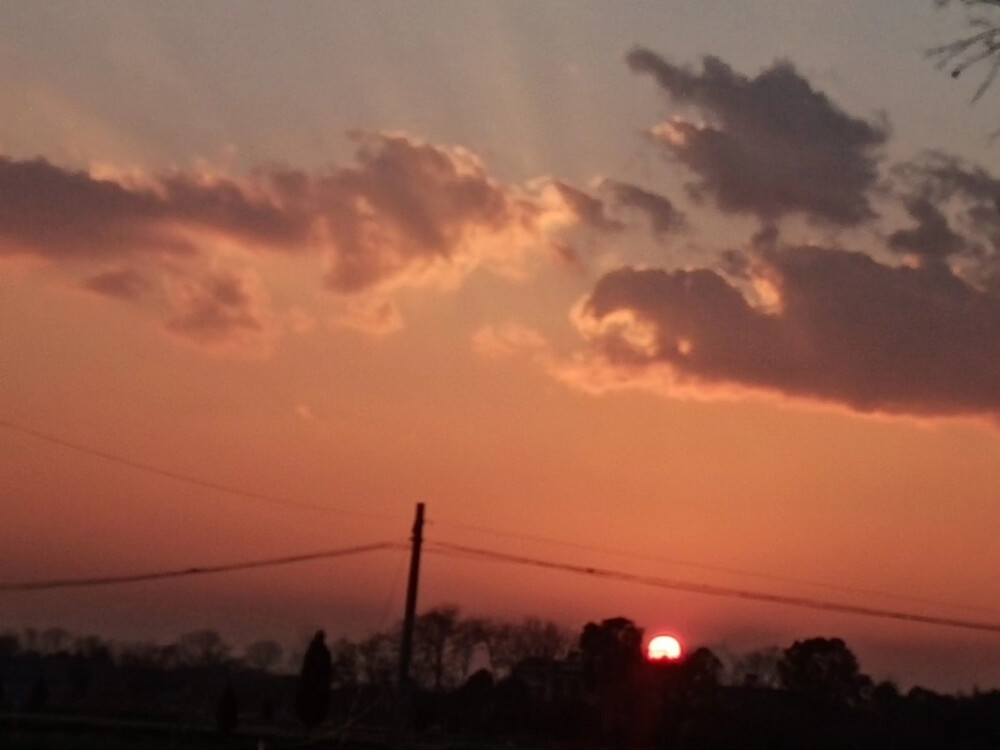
(715, 568)
(444, 548)
(186, 478)
(67, 583)
(271, 499)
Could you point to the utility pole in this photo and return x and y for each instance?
(403, 703)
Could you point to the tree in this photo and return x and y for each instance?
(701, 671)
(544, 640)
(226, 713)
(9, 645)
(378, 657)
(38, 696)
(472, 633)
(981, 47)
(345, 657)
(757, 668)
(312, 693)
(262, 655)
(824, 668)
(612, 655)
(610, 650)
(202, 648)
(53, 640)
(433, 634)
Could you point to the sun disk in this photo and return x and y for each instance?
(663, 648)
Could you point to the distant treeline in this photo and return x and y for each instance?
(483, 679)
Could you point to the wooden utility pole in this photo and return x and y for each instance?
(402, 718)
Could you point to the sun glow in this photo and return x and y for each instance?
(663, 648)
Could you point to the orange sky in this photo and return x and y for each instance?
(461, 267)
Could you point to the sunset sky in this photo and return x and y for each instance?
(707, 291)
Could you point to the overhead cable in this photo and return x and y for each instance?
(709, 589)
(712, 568)
(186, 478)
(67, 583)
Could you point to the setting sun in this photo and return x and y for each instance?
(663, 647)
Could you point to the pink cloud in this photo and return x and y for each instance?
(508, 340)
(404, 214)
(222, 311)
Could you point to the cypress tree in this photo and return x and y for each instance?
(312, 694)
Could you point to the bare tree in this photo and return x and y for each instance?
(472, 634)
(377, 658)
(433, 639)
(202, 648)
(979, 48)
(54, 640)
(263, 655)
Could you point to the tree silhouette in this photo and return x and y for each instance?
(377, 657)
(612, 654)
(202, 648)
(38, 696)
(610, 649)
(312, 693)
(226, 713)
(979, 48)
(262, 655)
(823, 668)
(433, 633)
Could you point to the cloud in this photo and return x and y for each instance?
(932, 239)
(663, 216)
(61, 214)
(372, 315)
(221, 311)
(566, 256)
(123, 283)
(944, 193)
(822, 324)
(588, 209)
(771, 145)
(407, 213)
(507, 340)
(414, 214)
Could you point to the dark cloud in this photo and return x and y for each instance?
(124, 284)
(939, 177)
(663, 216)
(765, 238)
(826, 324)
(932, 239)
(50, 211)
(772, 145)
(57, 213)
(950, 193)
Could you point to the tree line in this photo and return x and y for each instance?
(485, 679)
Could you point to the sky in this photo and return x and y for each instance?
(708, 293)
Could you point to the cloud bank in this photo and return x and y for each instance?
(824, 324)
(406, 213)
